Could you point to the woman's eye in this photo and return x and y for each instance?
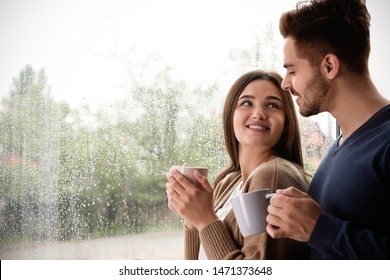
(246, 103)
(273, 105)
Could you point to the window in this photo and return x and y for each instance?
(380, 57)
(100, 98)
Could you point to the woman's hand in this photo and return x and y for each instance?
(193, 204)
(170, 205)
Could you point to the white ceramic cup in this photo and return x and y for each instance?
(189, 173)
(250, 210)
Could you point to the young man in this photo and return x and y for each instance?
(346, 214)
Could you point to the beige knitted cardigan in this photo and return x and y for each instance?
(223, 240)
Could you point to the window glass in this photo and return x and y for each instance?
(100, 98)
(380, 45)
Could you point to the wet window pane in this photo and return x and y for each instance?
(100, 98)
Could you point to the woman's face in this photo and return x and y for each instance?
(259, 116)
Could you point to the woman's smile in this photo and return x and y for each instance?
(258, 127)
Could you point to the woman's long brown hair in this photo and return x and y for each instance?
(289, 145)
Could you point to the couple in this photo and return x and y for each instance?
(346, 212)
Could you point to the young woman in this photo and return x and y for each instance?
(262, 139)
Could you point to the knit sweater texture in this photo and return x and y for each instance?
(223, 239)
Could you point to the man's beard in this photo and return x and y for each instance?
(317, 89)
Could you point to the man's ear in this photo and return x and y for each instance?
(330, 66)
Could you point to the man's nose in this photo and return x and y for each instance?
(286, 83)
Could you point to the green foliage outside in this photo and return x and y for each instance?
(65, 178)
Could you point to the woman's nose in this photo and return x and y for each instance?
(259, 115)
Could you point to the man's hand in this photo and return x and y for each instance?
(292, 214)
